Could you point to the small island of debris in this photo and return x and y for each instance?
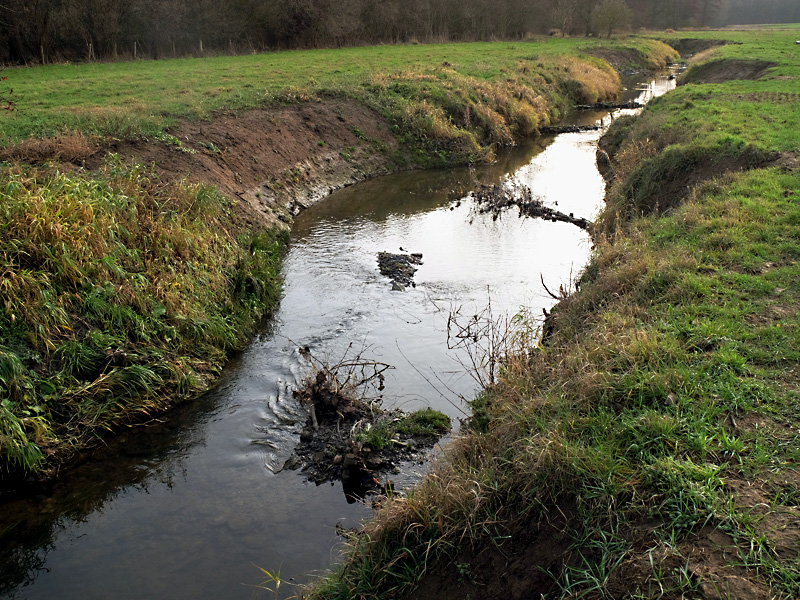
(349, 437)
(399, 268)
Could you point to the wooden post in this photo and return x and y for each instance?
(134, 50)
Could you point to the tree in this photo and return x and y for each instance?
(707, 10)
(612, 15)
(583, 14)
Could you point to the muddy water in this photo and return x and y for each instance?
(193, 506)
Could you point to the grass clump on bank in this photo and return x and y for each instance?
(649, 447)
(120, 295)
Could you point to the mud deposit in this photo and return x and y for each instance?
(400, 268)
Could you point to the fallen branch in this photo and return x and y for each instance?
(499, 197)
(610, 105)
(556, 129)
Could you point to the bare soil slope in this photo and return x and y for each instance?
(274, 160)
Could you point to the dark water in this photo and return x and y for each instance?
(191, 507)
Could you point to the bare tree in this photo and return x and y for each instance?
(584, 13)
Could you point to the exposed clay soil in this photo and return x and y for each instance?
(274, 160)
(688, 47)
(517, 565)
(617, 58)
(726, 69)
(675, 187)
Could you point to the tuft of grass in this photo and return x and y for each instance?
(425, 422)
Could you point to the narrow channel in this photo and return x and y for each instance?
(194, 506)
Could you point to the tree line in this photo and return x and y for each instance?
(41, 31)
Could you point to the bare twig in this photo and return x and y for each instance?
(484, 338)
(549, 293)
(341, 388)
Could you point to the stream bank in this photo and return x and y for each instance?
(196, 500)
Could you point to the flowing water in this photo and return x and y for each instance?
(193, 506)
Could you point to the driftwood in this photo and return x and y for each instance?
(499, 197)
(610, 105)
(556, 129)
(336, 392)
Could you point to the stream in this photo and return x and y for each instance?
(194, 505)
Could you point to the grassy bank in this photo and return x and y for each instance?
(122, 293)
(649, 447)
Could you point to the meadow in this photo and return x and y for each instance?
(491, 91)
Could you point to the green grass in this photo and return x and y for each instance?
(703, 127)
(668, 386)
(424, 422)
(121, 294)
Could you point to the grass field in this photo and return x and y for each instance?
(658, 426)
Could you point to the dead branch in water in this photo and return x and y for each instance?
(558, 129)
(484, 338)
(500, 197)
(610, 105)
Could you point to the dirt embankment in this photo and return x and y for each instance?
(726, 69)
(277, 160)
(688, 47)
